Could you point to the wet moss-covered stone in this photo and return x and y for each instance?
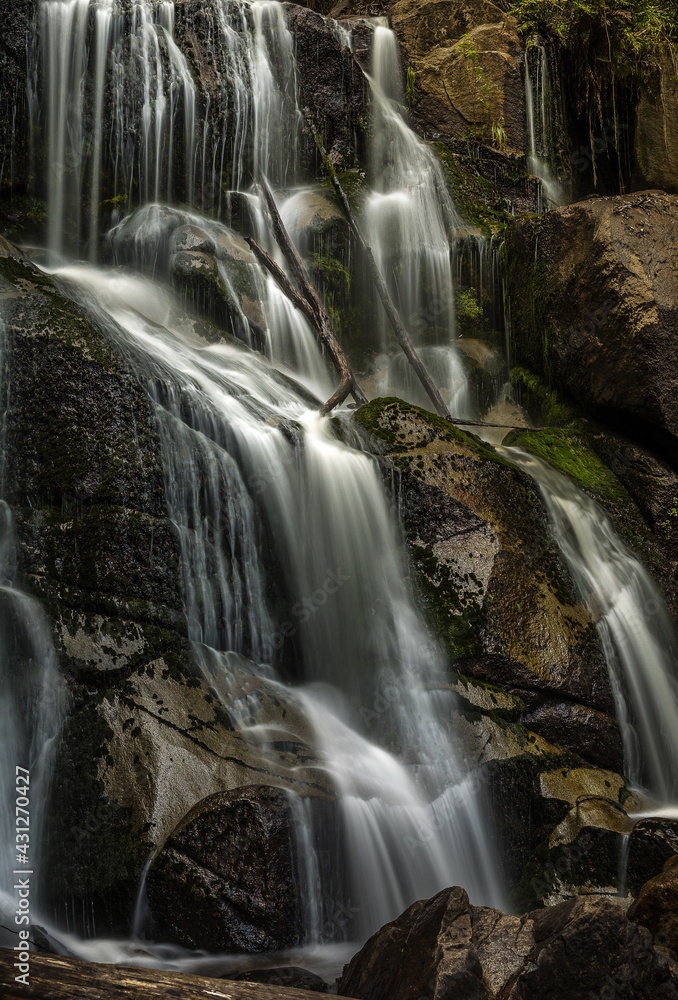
(490, 577)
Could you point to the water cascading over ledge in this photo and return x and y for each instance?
(120, 119)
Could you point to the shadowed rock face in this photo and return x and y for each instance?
(594, 297)
(465, 57)
(224, 880)
(446, 948)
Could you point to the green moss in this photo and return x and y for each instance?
(381, 417)
(541, 401)
(482, 203)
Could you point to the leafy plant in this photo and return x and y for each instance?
(410, 89)
(469, 312)
(669, 523)
(498, 134)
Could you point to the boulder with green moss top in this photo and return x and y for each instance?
(635, 512)
(594, 298)
(489, 573)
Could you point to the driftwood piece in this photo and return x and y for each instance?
(313, 308)
(378, 279)
(55, 977)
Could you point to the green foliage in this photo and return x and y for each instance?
(469, 312)
(484, 91)
(411, 86)
(672, 519)
(622, 35)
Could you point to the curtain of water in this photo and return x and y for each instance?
(539, 106)
(123, 115)
(632, 622)
(409, 213)
(253, 475)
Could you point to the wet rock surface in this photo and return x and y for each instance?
(291, 976)
(225, 879)
(595, 295)
(465, 58)
(446, 948)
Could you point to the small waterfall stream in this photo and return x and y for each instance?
(632, 622)
(539, 103)
(408, 216)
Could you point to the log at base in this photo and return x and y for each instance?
(54, 977)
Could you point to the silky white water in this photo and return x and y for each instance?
(408, 216)
(540, 126)
(119, 100)
(249, 468)
(632, 622)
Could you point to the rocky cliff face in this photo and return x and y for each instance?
(594, 292)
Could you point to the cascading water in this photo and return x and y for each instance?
(242, 451)
(632, 622)
(408, 215)
(539, 104)
(124, 118)
(31, 707)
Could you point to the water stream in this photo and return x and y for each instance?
(31, 705)
(249, 466)
(539, 104)
(632, 622)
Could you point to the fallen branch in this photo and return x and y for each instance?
(391, 311)
(305, 299)
(56, 977)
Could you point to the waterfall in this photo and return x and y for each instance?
(541, 127)
(254, 479)
(632, 623)
(31, 705)
(125, 121)
(408, 215)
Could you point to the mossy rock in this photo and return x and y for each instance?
(489, 574)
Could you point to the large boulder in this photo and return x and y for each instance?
(594, 308)
(445, 948)
(225, 880)
(489, 573)
(466, 62)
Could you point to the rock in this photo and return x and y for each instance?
(594, 301)
(332, 85)
(652, 844)
(225, 879)
(313, 220)
(593, 735)
(466, 61)
(656, 906)
(292, 977)
(69, 977)
(193, 239)
(656, 131)
(446, 948)
(22, 213)
(489, 574)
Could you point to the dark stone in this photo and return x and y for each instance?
(593, 735)
(594, 308)
(225, 879)
(331, 85)
(291, 977)
(654, 843)
(656, 906)
(447, 949)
